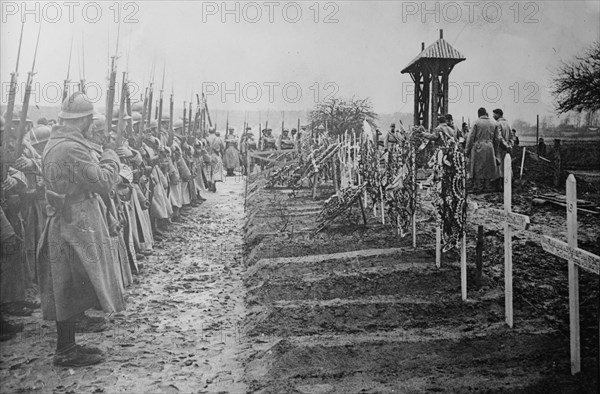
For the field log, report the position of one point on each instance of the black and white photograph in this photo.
(309, 197)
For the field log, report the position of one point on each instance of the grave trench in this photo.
(379, 322)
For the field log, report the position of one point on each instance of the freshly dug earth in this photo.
(355, 308)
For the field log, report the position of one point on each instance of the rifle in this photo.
(23, 121)
(110, 100)
(150, 94)
(198, 118)
(160, 101)
(121, 112)
(128, 108)
(207, 113)
(67, 79)
(227, 125)
(184, 117)
(82, 71)
(9, 112)
(144, 111)
(171, 132)
(191, 131)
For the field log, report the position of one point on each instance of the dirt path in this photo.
(182, 328)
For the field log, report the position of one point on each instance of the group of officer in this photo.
(485, 145)
(82, 208)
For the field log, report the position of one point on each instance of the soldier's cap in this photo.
(448, 117)
(248, 128)
(441, 119)
(286, 131)
(393, 125)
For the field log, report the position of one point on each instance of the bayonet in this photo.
(12, 94)
(23, 120)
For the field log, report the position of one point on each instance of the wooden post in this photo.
(416, 191)
(508, 282)
(463, 266)
(463, 250)
(522, 163)
(414, 230)
(315, 181)
(438, 247)
(573, 275)
(362, 210)
(382, 202)
(479, 256)
(334, 170)
(537, 133)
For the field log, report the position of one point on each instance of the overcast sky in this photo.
(511, 49)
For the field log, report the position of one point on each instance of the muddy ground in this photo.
(181, 331)
(356, 308)
(255, 301)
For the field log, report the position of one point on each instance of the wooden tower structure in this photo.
(430, 72)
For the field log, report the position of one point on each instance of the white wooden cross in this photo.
(510, 219)
(576, 258)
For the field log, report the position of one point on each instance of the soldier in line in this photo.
(216, 149)
(72, 281)
(231, 158)
(393, 137)
(268, 141)
(285, 141)
(247, 144)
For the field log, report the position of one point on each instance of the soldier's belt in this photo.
(58, 204)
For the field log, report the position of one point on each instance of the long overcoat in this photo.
(480, 149)
(75, 251)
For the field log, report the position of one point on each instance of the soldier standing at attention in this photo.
(75, 268)
(504, 143)
(480, 150)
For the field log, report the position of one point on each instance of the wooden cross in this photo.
(576, 258)
(509, 219)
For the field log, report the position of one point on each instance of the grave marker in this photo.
(576, 258)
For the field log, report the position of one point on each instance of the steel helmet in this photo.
(153, 124)
(78, 105)
(178, 124)
(116, 113)
(137, 107)
(136, 117)
(40, 134)
(99, 122)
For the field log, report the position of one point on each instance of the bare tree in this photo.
(577, 83)
(340, 115)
